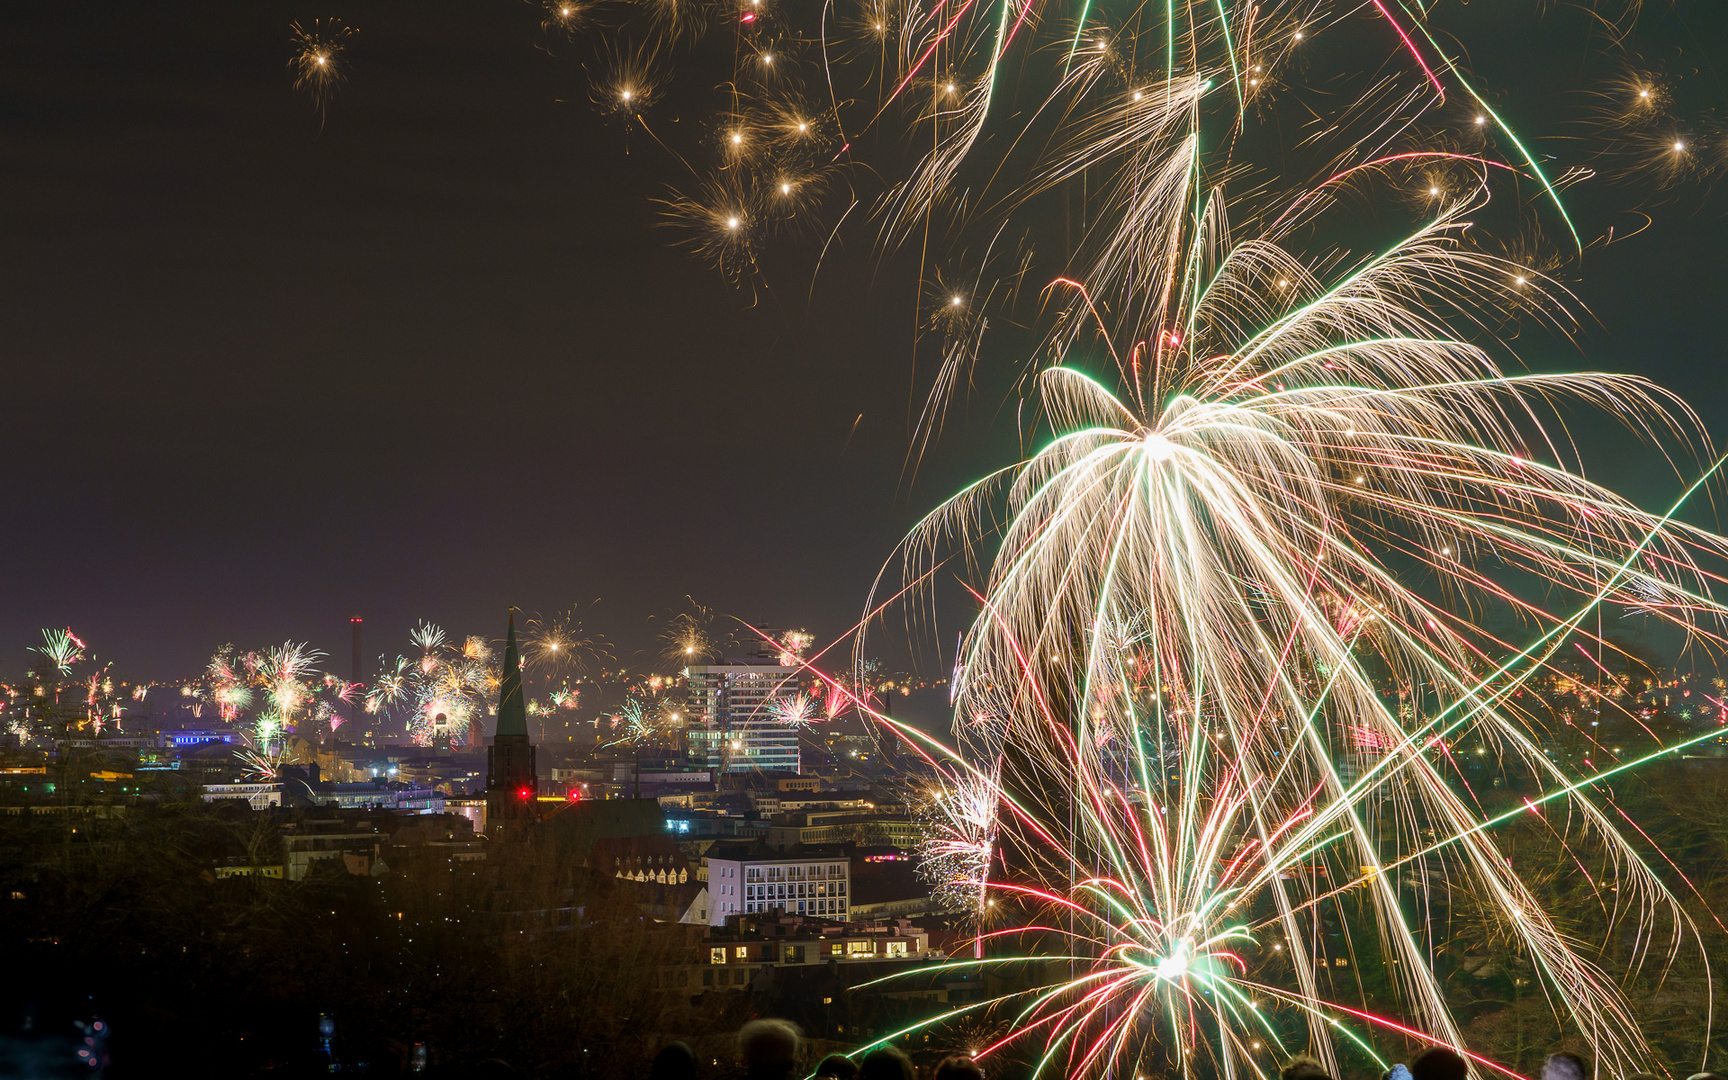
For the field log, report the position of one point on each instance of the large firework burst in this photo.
(1252, 527)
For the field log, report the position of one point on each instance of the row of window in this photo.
(830, 871)
(739, 978)
(824, 906)
(795, 954)
(794, 890)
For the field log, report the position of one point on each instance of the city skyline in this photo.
(1170, 541)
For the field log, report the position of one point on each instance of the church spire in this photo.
(512, 786)
(512, 712)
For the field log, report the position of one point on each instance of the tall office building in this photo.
(732, 727)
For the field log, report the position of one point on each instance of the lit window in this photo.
(717, 956)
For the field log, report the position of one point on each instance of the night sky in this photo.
(437, 358)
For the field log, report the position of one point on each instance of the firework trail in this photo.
(835, 701)
(263, 752)
(262, 763)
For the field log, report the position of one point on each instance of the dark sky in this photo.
(436, 358)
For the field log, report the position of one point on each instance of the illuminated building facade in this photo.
(815, 883)
(732, 723)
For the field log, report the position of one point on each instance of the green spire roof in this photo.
(512, 713)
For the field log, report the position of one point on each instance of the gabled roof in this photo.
(579, 825)
(649, 853)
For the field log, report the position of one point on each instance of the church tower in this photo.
(512, 789)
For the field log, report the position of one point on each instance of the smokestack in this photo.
(356, 660)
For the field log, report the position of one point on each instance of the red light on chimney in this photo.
(523, 793)
(575, 796)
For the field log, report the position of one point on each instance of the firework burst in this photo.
(61, 648)
(1277, 493)
(794, 710)
(636, 723)
(443, 693)
(317, 62)
(961, 820)
(1277, 502)
(693, 636)
(560, 647)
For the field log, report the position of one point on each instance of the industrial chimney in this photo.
(356, 667)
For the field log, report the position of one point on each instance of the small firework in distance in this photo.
(317, 61)
(796, 711)
(62, 649)
(563, 16)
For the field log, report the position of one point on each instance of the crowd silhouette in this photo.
(774, 1050)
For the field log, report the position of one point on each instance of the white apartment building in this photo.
(260, 796)
(732, 723)
(812, 883)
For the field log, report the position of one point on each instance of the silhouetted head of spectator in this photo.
(1565, 1067)
(886, 1063)
(1705, 1076)
(1302, 1067)
(958, 1067)
(1439, 1063)
(768, 1049)
(838, 1067)
(676, 1062)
